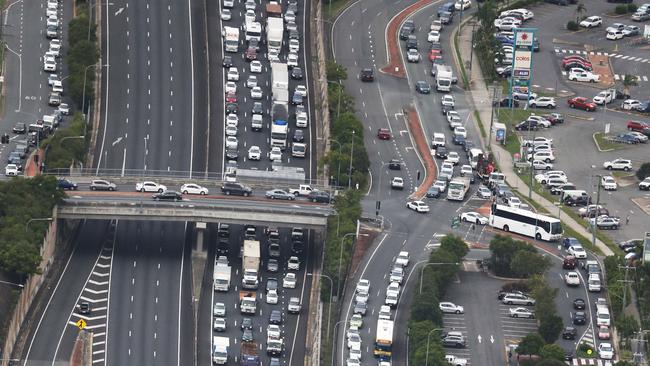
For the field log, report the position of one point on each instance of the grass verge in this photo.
(480, 124)
(332, 8)
(460, 63)
(604, 145)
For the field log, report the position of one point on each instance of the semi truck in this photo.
(457, 189)
(248, 355)
(251, 264)
(384, 339)
(220, 347)
(221, 277)
(274, 33)
(280, 82)
(444, 76)
(231, 35)
(247, 302)
(279, 126)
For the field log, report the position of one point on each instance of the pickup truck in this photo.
(302, 190)
(455, 361)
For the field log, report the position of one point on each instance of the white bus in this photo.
(525, 222)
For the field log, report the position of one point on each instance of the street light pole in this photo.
(426, 361)
(338, 277)
(338, 171)
(49, 219)
(334, 340)
(13, 284)
(351, 154)
(83, 94)
(594, 227)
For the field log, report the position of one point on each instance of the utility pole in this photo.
(494, 97)
(626, 283)
(351, 154)
(594, 227)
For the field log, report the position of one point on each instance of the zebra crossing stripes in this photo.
(589, 361)
(612, 55)
(618, 76)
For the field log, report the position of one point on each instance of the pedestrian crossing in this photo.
(618, 76)
(589, 361)
(594, 53)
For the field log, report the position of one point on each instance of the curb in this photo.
(415, 129)
(597, 145)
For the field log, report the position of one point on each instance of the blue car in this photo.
(625, 138)
(503, 39)
(570, 241)
(297, 98)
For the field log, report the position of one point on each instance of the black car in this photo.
(441, 152)
(411, 42)
(446, 17)
(458, 140)
(296, 73)
(246, 323)
(433, 192)
(579, 304)
(167, 196)
(526, 126)
(254, 44)
(422, 87)
(320, 197)
(275, 317)
(360, 308)
(394, 164)
(469, 145)
(232, 154)
(298, 136)
(237, 189)
(247, 336)
(579, 318)
(436, 46)
(446, 7)
(232, 108)
(569, 333)
(66, 184)
(446, 108)
(505, 102)
(227, 61)
(223, 246)
(84, 307)
(271, 284)
(367, 74)
(19, 128)
(293, 34)
(297, 247)
(258, 108)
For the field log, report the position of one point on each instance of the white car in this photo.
(150, 187)
(448, 100)
(233, 74)
(274, 55)
(451, 308)
(302, 120)
(554, 174)
(301, 89)
(396, 274)
(525, 13)
(254, 153)
(352, 362)
(219, 324)
(631, 104)
(256, 93)
(275, 154)
(433, 36)
(546, 156)
(460, 131)
(362, 297)
(453, 157)
(402, 259)
(355, 354)
(586, 76)
(289, 280)
(354, 341)
(462, 4)
(412, 55)
(592, 21)
(219, 309)
(514, 202)
(542, 102)
(615, 27)
(506, 24)
(521, 313)
(417, 206)
(618, 164)
(64, 109)
(541, 165)
(231, 142)
(256, 66)
(191, 188)
(292, 60)
(231, 131)
(52, 78)
(232, 120)
(273, 331)
(363, 286)
(466, 170)
(474, 217)
(384, 312)
(294, 45)
(272, 297)
(606, 351)
(293, 263)
(228, 4)
(55, 46)
(356, 321)
(231, 87)
(614, 35)
(52, 22)
(577, 251)
(11, 170)
(51, 12)
(226, 14)
(250, 4)
(251, 82)
(572, 278)
(397, 183)
(453, 361)
(641, 137)
(609, 183)
(441, 185)
(49, 64)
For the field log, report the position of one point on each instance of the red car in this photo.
(575, 57)
(231, 98)
(251, 54)
(383, 134)
(582, 103)
(603, 333)
(638, 126)
(434, 54)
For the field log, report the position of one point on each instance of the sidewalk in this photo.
(480, 99)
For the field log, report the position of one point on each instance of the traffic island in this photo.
(422, 146)
(602, 67)
(395, 65)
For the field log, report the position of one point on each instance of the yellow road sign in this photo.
(81, 324)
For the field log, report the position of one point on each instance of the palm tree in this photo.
(581, 8)
(628, 82)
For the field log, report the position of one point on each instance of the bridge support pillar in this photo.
(200, 230)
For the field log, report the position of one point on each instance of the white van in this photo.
(602, 316)
(593, 283)
(473, 156)
(496, 178)
(438, 140)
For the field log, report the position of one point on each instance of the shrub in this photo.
(572, 26)
(631, 8)
(644, 171)
(620, 9)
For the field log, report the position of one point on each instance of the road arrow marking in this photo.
(479, 338)
(402, 132)
(117, 141)
(120, 10)
(491, 338)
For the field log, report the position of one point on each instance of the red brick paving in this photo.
(32, 168)
(422, 145)
(604, 70)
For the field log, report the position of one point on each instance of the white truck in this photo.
(221, 277)
(455, 361)
(279, 125)
(231, 39)
(302, 190)
(444, 76)
(280, 82)
(298, 150)
(253, 30)
(274, 33)
(457, 189)
(251, 264)
(220, 346)
(247, 302)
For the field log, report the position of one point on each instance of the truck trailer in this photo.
(231, 39)
(274, 33)
(251, 264)
(220, 346)
(221, 277)
(444, 76)
(247, 302)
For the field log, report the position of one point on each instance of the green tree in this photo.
(531, 344)
(454, 244)
(525, 264)
(626, 325)
(644, 171)
(628, 82)
(552, 352)
(426, 308)
(550, 327)
(335, 72)
(502, 250)
(580, 9)
(624, 363)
